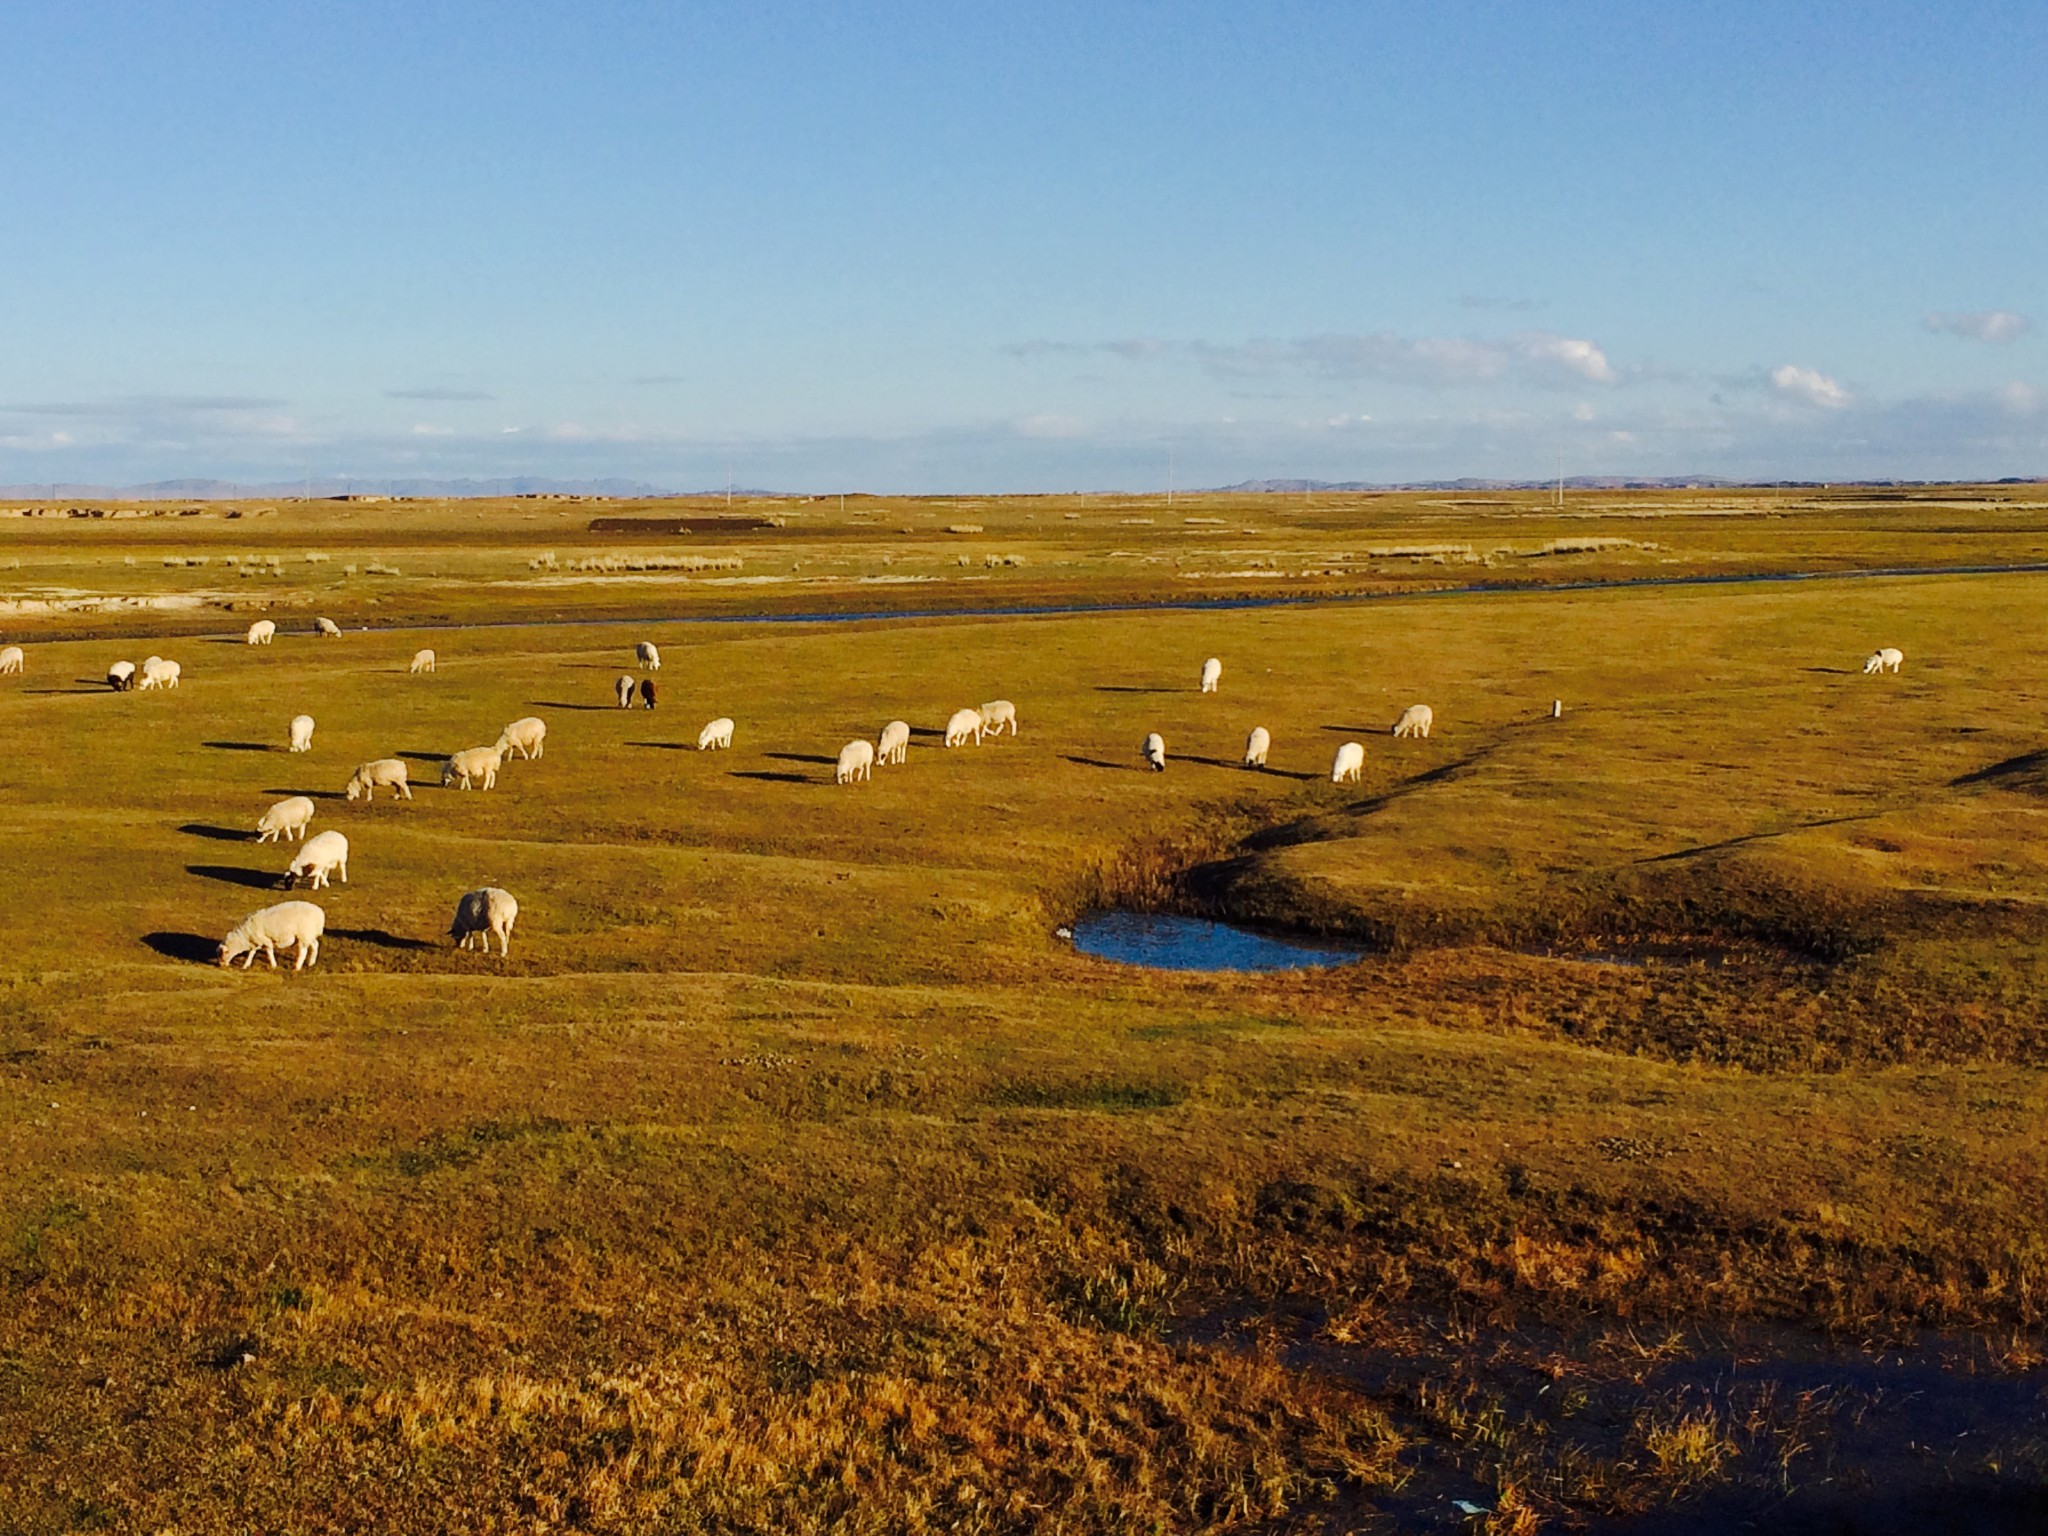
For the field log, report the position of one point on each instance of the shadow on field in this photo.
(194, 947)
(928, 730)
(230, 874)
(1096, 762)
(1236, 765)
(772, 778)
(424, 757)
(310, 794)
(217, 834)
(379, 938)
(1755, 837)
(2025, 765)
(1834, 671)
(1136, 688)
(557, 704)
(237, 746)
(46, 692)
(802, 757)
(664, 746)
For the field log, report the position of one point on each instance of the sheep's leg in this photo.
(344, 872)
(270, 954)
(403, 790)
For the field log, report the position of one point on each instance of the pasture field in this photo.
(1685, 1118)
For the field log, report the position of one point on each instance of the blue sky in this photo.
(1041, 247)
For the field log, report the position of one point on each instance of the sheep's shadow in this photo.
(1354, 730)
(802, 757)
(1237, 765)
(68, 692)
(217, 834)
(928, 730)
(424, 757)
(2020, 767)
(193, 948)
(664, 746)
(772, 778)
(231, 874)
(1834, 671)
(1096, 762)
(238, 746)
(558, 704)
(380, 938)
(311, 794)
(1138, 688)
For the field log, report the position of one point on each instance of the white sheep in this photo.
(1415, 720)
(526, 737)
(716, 736)
(480, 914)
(623, 688)
(383, 773)
(262, 632)
(1212, 674)
(1557, 709)
(121, 676)
(895, 743)
(964, 726)
(274, 928)
(327, 628)
(10, 660)
(471, 763)
(156, 672)
(283, 819)
(1349, 765)
(1154, 752)
(1886, 660)
(856, 761)
(422, 661)
(1256, 746)
(648, 657)
(996, 715)
(302, 733)
(319, 857)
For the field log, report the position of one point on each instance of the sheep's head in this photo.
(355, 787)
(233, 947)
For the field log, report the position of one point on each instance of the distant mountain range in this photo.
(1581, 483)
(229, 490)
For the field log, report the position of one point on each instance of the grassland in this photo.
(791, 1174)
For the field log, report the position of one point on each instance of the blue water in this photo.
(1170, 943)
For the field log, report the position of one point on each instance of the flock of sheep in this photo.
(490, 912)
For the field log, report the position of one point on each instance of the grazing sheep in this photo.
(319, 857)
(1154, 752)
(480, 914)
(1212, 674)
(471, 763)
(10, 660)
(156, 672)
(302, 733)
(996, 715)
(965, 724)
(1350, 764)
(526, 737)
(1415, 720)
(274, 928)
(283, 819)
(624, 689)
(647, 655)
(647, 691)
(262, 632)
(895, 743)
(1256, 746)
(856, 761)
(422, 661)
(121, 676)
(716, 736)
(383, 773)
(327, 628)
(1886, 660)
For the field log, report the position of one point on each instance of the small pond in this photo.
(1170, 943)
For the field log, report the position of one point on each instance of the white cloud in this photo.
(1980, 325)
(423, 429)
(1429, 361)
(1809, 386)
(1571, 353)
(1051, 425)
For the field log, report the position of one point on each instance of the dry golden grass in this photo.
(790, 1174)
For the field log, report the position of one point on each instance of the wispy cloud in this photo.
(130, 406)
(1490, 301)
(1979, 325)
(432, 393)
(1432, 361)
(1809, 386)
